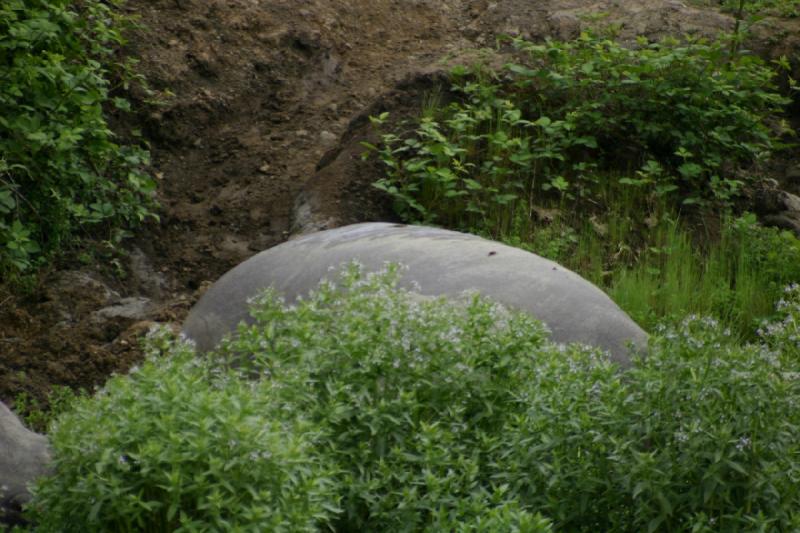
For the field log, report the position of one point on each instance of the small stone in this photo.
(791, 202)
(327, 137)
(264, 169)
(301, 133)
(131, 308)
(143, 272)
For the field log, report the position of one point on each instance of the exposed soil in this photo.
(263, 89)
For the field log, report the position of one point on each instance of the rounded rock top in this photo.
(438, 263)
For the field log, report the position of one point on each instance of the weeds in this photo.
(371, 410)
(756, 9)
(588, 152)
(181, 445)
(738, 279)
(37, 416)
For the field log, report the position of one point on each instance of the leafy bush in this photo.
(181, 445)
(411, 395)
(61, 171)
(442, 416)
(587, 152)
(427, 403)
(679, 121)
(695, 438)
(489, 515)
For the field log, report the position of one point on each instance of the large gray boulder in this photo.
(441, 262)
(24, 456)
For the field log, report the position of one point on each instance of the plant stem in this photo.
(736, 32)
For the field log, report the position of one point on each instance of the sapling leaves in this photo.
(57, 152)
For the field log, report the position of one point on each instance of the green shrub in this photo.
(702, 436)
(411, 395)
(439, 416)
(426, 404)
(62, 172)
(483, 514)
(587, 151)
(678, 121)
(181, 445)
(783, 333)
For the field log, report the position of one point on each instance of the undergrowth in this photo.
(735, 273)
(63, 173)
(738, 277)
(362, 408)
(757, 9)
(686, 122)
(613, 161)
(39, 415)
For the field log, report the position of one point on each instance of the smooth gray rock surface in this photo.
(24, 456)
(442, 263)
(134, 308)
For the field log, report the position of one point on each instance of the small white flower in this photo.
(744, 442)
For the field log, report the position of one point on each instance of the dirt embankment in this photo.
(262, 90)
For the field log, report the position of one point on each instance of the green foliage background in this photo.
(628, 164)
(676, 122)
(62, 172)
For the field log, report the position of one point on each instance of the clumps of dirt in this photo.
(341, 191)
(75, 330)
(261, 91)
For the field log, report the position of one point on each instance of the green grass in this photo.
(757, 8)
(729, 280)
(665, 272)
